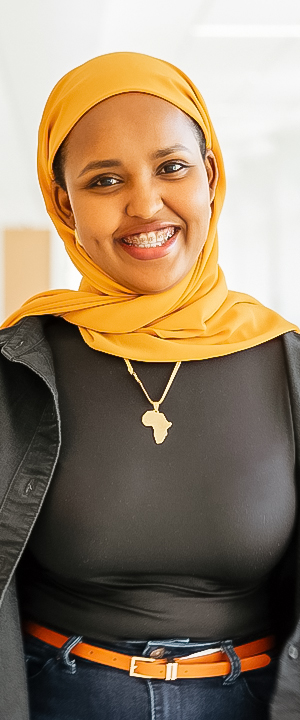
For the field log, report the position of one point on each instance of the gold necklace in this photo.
(154, 418)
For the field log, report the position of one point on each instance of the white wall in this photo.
(252, 90)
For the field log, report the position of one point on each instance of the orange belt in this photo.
(252, 656)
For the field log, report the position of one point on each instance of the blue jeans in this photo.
(62, 687)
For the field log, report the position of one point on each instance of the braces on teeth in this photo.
(151, 239)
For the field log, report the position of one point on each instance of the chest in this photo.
(216, 498)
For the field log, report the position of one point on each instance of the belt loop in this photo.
(63, 654)
(227, 647)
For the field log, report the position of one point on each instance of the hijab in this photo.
(197, 318)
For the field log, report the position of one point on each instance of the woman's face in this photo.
(138, 190)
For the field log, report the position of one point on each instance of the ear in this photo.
(212, 172)
(63, 205)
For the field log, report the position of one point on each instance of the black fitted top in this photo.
(138, 540)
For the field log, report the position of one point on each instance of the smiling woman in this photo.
(150, 202)
(179, 546)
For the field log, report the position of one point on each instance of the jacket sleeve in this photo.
(13, 694)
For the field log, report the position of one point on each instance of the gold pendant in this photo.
(159, 423)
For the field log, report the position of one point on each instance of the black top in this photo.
(138, 540)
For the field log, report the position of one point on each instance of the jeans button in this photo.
(158, 653)
(293, 652)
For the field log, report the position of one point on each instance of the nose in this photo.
(144, 200)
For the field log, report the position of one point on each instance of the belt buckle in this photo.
(132, 670)
(171, 668)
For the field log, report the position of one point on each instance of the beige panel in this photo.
(26, 265)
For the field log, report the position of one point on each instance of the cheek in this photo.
(193, 203)
(197, 214)
(199, 200)
(198, 220)
(96, 219)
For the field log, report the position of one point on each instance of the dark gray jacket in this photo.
(30, 443)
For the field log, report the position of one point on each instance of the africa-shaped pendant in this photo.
(158, 421)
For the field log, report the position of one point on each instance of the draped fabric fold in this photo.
(199, 317)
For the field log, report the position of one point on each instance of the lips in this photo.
(150, 245)
(150, 239)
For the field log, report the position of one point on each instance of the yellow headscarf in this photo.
(198, 318)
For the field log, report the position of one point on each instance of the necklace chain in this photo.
(158, 403)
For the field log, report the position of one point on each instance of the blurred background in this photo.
(244, 57)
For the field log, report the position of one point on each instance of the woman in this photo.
(162, 525)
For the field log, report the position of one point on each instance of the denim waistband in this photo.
(171, 646)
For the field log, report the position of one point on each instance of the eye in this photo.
(104, 181)
(172, 167)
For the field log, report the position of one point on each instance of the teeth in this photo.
(151, 239)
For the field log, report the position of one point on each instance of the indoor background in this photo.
(245, 58)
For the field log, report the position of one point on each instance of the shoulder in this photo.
(25, 345)
(29, 330)
(291, 344)
(291, 341)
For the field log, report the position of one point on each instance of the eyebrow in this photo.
(99, 164)
(169, 151)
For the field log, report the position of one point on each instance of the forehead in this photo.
(135, 118)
